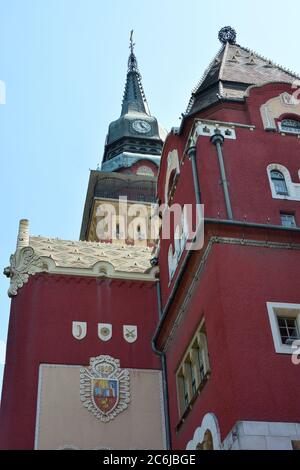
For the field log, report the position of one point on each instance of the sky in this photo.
(64, 64)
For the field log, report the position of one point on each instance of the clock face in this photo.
(141, 126)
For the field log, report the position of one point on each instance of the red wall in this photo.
(40, 331)
(249, 380)
(246, 160)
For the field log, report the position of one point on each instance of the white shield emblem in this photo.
(79, 329)
(104, 331)
(104, 387)
(130, 333)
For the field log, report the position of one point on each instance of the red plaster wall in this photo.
(246, 160)
(40, 331)
(249, 380)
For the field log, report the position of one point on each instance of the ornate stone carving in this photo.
(104, 388)
(22, 264)
(277, 106)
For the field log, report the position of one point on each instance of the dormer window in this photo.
(290, 125)
(279, 183)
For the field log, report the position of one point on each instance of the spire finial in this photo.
(132, 62)
(227, 34)
(134, 96)
(132, 44)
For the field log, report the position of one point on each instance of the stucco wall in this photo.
(62, 421)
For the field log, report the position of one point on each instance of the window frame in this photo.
(289, 130)
(188, 369)
(275, 311)
(293, 188)
(288, 214)
(281, 179)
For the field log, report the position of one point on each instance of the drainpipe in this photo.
(162, 355)
(217, 139)
(191, 152)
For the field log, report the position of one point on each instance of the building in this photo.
(200, 343)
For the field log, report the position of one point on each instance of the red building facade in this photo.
(207, 339)
(235, 388)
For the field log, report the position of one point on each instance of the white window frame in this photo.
(278, 309)
(291, 216)
(293, 188)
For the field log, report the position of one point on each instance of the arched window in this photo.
(290, 125)
(145, 171)
(172, 182)
(279, 183)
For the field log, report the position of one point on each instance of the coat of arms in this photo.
(104, 387)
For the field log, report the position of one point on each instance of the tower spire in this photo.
(134, 98)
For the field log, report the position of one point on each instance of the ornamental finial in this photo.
(132, 44)
(132, 62)
(227, 34)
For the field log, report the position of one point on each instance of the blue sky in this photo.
(64, 64)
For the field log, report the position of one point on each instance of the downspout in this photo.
(191, 152)
(162, 355)
(217, 139)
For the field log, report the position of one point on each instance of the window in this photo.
(288, 220)
(279, 183)
(193, 371)
(290, 125)
(285, 325)
(145, 171)
(139, 234)
(172, 181)
(118, 231)
(289, 330)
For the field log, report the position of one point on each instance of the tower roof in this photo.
(136, 131)
(233, 70)
(134, 98)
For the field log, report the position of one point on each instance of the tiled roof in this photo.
(230, 74)
(78, 254)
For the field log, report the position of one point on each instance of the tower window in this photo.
(118, 231)
(290, 125)
(279, 183)
(288, 220)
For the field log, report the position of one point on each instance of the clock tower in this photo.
(129, 167)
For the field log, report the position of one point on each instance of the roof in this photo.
(230, 74)
(134, 98)
(67, 257)
(79, 254)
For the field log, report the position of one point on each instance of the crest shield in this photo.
(79, 329)
(104, 387)
(104, 331)
(105, 393)
(130, 333)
